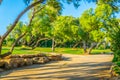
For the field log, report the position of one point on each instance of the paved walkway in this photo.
(75, 67)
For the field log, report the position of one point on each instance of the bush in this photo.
(115, 59)
(116, 56)
(117, 52)
(116, 69)
(118, 63)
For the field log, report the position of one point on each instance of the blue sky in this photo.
(9, 9)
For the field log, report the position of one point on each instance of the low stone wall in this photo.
(14, 61)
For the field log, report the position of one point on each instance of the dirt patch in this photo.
(74, 67)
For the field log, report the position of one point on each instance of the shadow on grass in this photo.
(25, 49)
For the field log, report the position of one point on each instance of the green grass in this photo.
(27, 50)
(96, 51)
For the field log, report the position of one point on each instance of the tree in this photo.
(112, 3)
(41, 25)
(92, 30)
(14, 24)
(98, 19)
(66, 29)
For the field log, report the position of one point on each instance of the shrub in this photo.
(116, 56)
(117, 52)
(116, 69)
(118, 63)
(115, 59)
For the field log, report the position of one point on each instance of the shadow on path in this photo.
(69, 69)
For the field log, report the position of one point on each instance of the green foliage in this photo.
(89, 21)
(115, 58)
(115, 41)
(66, 28)
(118, 63)
(117, 52)
(41, 25)
(97, 35)
(91, 25)
(9, 43)
(116, 69)
(103, 11)
(47, 23)
(17, 31)
(101, 47)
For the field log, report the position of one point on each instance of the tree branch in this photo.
(12, 48)
(19, 16)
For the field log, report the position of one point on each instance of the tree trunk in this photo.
(53, 45)
(30, 43)
(105, 45)
(85, 47)
(93, 45)
(56, 44)
(76, 45)
(98, 44)
(33, 44)
(0, 45)
(36, 44)
(5, 54)
(12, 48)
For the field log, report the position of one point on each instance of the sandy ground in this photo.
(74, 67)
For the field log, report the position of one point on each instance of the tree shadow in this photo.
(77, 71)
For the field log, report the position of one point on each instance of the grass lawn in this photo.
(27, 50)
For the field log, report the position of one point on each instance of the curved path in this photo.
(74, 67)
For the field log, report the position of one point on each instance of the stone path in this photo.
(74, 67)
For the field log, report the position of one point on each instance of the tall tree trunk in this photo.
(12, 48)
(85, 47)
(53, 44)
